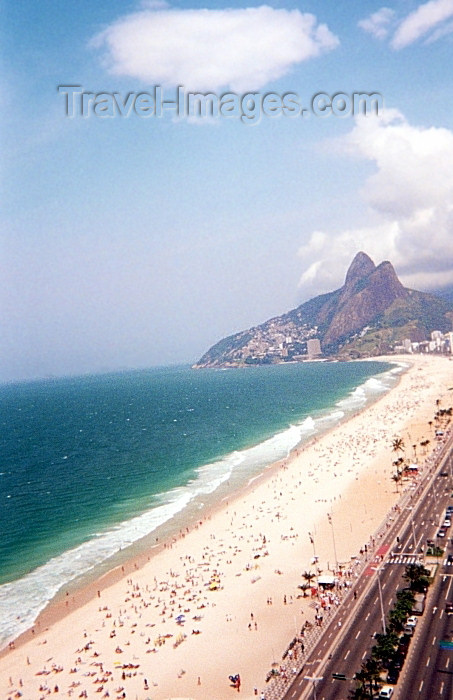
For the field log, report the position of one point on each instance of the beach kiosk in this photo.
(326, 582)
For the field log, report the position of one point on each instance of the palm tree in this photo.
(397, 478)
(373, 670)
(308, 576)
(398, 445)
(304, 588)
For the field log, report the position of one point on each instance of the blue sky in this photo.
(132, 242)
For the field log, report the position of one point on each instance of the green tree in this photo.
(417, 576)
(405, 600)
(397, 619)
(385, 648)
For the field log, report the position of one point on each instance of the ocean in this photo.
(92, 465)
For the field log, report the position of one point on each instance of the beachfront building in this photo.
(439, 343)
(313, 347)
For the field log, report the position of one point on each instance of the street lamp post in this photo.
(378, 571)
(313, 543)
(329, 517)
(314, 680)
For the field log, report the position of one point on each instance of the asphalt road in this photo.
(428, 672)
(344, 646)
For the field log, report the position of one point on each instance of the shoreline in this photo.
(201, 506)
(254, 502)
(84, 588)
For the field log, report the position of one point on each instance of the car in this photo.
(441, 533)
(398, 662)
(450, 559)
(449, 607)
(403, 646)
(393, 675)
(443, 474)
(386, 692)
(447, 522)
(412, 621)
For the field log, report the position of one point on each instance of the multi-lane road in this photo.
(428, 671)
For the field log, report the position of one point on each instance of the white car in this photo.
(412, 621)
(447, 522)
(386, 691)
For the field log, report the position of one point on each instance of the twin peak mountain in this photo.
(367, 316)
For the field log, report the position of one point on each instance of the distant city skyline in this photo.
(136, 242)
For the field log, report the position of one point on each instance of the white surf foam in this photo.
(21, 601)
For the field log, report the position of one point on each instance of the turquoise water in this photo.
(90, 465)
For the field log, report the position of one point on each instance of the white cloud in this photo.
(242, 49)
(378, 23)
(410, 199)
(420, 22)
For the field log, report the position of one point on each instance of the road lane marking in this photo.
(347, 654)
(357, 634)
(420, 687)
(434, 641)
(449, 586)
(367, 617)
(427, 663)
(448, 663)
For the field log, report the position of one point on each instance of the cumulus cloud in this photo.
(422, 21)
(240, 49)
(430, 21)
(410, 199)
(378, 23)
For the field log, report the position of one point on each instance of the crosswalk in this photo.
(412, 559)
(404, 559)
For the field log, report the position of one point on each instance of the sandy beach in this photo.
(223, 598)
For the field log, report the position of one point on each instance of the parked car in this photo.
(447, 522)
(403, 646)
(412, 621)
(386, 692)
(450, 559)
(441, 532)
(393, 675)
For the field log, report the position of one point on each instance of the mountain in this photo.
(368, 315)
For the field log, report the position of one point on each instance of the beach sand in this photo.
(234, 575)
